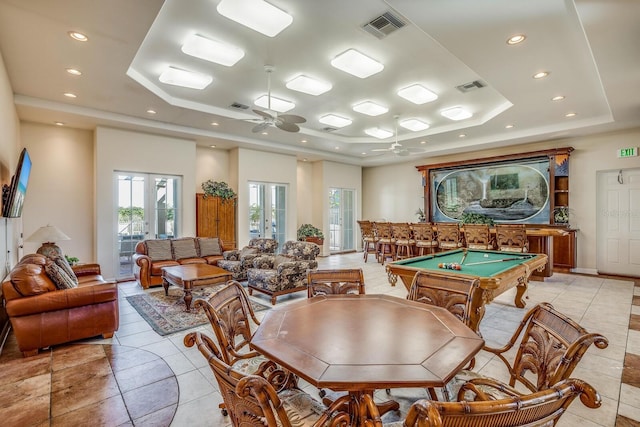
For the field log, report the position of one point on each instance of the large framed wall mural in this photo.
(509, 189)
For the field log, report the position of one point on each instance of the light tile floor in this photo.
(610, 306)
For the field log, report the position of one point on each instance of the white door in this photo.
(268, 211)
(341, 220)
(618, 222)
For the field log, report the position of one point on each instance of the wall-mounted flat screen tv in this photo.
(13, 195)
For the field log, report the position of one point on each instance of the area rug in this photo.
(166, 313)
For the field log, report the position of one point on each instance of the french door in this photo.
(147, 209)
(268, 211)
(341, 220)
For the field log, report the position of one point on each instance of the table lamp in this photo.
(47, 235)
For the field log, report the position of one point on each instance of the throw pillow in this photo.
(248, 251)
(184, 248)
(209, 246)
(64, 264)
(159, 250)
(58, 276)
(280, 258)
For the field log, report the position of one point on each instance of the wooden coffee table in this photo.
(191, 275)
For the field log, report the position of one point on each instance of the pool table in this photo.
(497, 271)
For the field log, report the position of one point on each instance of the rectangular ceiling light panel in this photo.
(309, 85)
(370, 108)
(378, 133)
(212, 50)
(357, 64)
(417, 94)
(258, 15)
(414, 125)
(456, 113)
(277, 104)
(335, 121)
(189, 79)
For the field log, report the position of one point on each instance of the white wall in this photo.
(211, 163)
(121, 150)
(10, 228)
(384, 196)
(61, 187)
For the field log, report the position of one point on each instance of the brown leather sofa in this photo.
(151, 255)
(42, 315)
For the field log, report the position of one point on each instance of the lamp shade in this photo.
(48, 233)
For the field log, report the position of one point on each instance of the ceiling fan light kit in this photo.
(258, 15)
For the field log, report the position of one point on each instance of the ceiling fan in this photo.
(286, 122)
(397, 148)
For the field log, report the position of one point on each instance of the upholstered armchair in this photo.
(237, 261)
(284, 273)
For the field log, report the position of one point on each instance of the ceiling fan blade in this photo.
(289, 127)
(381, 149)
(292, 118)
(415, 150)
(260, 127)
(263, 114)
(402, 153)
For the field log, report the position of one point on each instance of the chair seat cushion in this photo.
(302, 409)
(453, 387)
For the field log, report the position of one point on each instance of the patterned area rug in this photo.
(167, 315)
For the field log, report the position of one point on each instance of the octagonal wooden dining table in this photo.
(360, 343)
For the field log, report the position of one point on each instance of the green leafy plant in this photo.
(308, 230)
(71, 259)
(561, 215)
(475, 218)
(220, 189)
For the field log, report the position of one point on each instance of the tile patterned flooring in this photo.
(134, 378)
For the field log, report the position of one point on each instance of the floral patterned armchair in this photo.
(283, 273)
(237, 261)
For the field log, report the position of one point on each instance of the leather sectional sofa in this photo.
(42, 315)
(151, 255)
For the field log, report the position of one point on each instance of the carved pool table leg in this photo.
(521, 289)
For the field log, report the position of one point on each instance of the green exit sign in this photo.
(628, 152)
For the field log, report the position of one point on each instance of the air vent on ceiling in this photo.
(384, 24)
(239, 106)
(468, 87)
(329, 129)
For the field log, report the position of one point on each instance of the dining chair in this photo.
(332, 282)
(369, 238)
(251, 400)
(478, 236)
(540, 409)
(551, 347)
(404, 240)
(232, 319)
(448, 235)
(385, 246)
(424, 236)
(512, 238)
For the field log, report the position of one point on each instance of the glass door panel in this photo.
(268, 211)
(341, 219)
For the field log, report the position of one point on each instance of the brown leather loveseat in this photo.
(42, 315)
(152, 255)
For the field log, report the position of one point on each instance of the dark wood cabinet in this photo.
(216, 217)
(564, 251)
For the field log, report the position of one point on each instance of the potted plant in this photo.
(71, 260)
(309, 233)
(421, 216)
(561, 215)
(220, 189)
(476, 218)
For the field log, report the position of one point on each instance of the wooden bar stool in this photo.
(385, 246)
(369, 239)
(424, 237)
(403, 240)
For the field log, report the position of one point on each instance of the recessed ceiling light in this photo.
(456, 113)
(337, 148)
(363, 153)
(557, 98)
(508, 126)
(370, 108)
(212, 50)
(378, 133)
(74, 71)
(189, 79)
(308, 85)
(212, 146)
(70, 95)
(151, 111)
(277, 104)
(214, 124)
(541, 75)
(304, 141)
(335, 121)
(78, 36)
(58, 123)
(265, 133)
(356, 64)
(414, 125)
(417, 94)
(462, 135)
(304, 160)
(515, 39)
(423, 142)
(571, 114)
(258, 15)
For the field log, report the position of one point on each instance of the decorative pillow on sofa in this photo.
(279, 259)
(64, 264)
(248, 251)
(209, 246)
(159, 250)
(184, 248)
(58, 276)
(27, 279)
